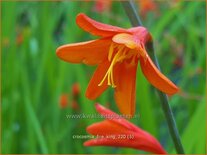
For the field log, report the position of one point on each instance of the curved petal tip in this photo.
(97, 28)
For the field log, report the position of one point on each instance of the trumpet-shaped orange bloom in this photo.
(117, 54)
(118, 132)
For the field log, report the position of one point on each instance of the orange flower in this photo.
(76, 89)
(117, 54)
(63, 101)
(118, 132)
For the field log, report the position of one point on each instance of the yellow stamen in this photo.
(122, 53)
(111, 50)
(133, 62)
(109, 73)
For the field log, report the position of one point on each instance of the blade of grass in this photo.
(45, 32)
(8, 11)
(30, 111)
(194, 138)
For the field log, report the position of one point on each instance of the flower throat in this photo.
(118, 53)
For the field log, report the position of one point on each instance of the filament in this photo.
(118, 53)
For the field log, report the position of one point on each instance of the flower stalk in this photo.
(136, 21)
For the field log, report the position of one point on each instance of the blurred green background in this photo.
(39, 90)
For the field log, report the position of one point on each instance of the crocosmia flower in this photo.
(118, 132)
(117, 54)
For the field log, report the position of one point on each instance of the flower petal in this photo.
(90, 52)
(126, 39)
(93, 90)
(106, 127)
(125, 80)
(97, 28)
(112, 116)
(138, 144)
(156, 78)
